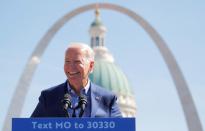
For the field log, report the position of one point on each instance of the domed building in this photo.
(106, 73)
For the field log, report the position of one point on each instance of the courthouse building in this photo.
(106, 73)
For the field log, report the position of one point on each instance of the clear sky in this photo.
(180, 23)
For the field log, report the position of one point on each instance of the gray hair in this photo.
(86, 48)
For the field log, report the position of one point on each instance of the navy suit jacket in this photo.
(103, 102)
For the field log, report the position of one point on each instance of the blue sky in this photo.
(180, 23)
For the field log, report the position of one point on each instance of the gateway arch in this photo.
(18, 99)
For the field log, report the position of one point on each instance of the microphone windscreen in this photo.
(67, 96)
(67, 101)
(83, 99)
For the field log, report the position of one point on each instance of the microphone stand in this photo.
(66, 104)
(66, 113)
(82, 104)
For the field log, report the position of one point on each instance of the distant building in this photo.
(106, 73)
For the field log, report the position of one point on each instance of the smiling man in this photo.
(78, 96)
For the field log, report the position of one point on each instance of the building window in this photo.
(97, 41)
(92, 42)
(102, 41)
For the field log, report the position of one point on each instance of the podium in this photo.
(73, 124)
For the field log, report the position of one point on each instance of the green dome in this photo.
(109, 76)
(97, 22)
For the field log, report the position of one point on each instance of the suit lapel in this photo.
(95, 100)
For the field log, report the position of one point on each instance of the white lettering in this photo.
(42, 125)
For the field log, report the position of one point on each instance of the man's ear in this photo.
(92, 66)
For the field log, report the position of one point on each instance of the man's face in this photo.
(77, 67)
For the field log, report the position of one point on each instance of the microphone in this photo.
(82, 104)
(66, 103)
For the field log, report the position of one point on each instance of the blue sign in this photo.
(73, 124)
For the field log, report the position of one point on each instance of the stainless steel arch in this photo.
(190, 112)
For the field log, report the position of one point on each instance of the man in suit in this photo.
(79, 63)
